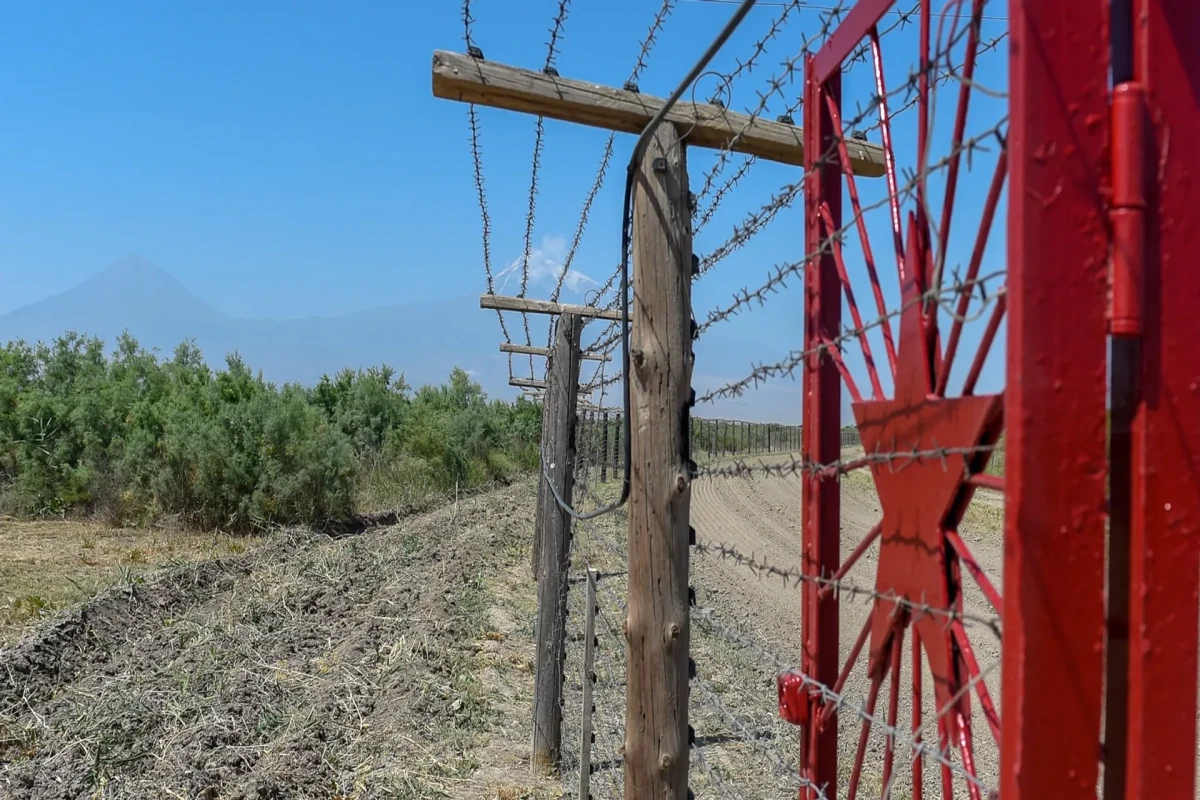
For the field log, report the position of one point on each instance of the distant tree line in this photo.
(134, 437)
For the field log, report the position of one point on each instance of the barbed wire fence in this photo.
(741, 747)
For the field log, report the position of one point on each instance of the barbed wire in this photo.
(714, 701)
(914, 743)
(782, 199)
(789, 111)
(787, 366)
(647, 45)
(775, 84)
(556, 30)
(477, 162)
(795, 578)
(721, 95)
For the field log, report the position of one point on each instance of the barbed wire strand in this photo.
(782, 199)
(790, 110)
(794, 577)
(787, 366)
(556, 31)
(647, 45)
(915, 744)
(477, 163)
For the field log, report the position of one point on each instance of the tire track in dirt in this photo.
(761, 517)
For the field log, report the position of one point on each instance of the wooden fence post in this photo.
(657, 626)
(562, 392)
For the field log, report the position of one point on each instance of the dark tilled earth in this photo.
(312, 667)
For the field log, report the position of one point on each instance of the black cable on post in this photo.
(626, 223)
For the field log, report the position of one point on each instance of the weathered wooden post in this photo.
(658, 631)
(562, 393)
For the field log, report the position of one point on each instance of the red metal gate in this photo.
(1025, 317)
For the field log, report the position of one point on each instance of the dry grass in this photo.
(395, 663)
(47, 566)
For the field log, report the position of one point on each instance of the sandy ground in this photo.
(760, 517)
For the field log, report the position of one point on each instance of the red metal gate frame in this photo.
(1057, 464)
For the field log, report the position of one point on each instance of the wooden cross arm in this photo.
(460, 77)
(527, 350)
(524, 304)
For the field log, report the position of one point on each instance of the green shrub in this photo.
(130, 436)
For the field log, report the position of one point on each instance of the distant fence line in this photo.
(601, 433)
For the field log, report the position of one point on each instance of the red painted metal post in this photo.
(1165, 526)
(821, 431)
(1055, 400)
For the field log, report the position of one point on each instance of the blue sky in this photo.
(286, 159)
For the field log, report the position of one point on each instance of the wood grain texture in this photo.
(460, 77)
(657, 625)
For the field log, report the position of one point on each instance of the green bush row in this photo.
(135, 437)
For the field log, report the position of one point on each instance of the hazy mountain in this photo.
(422, 340)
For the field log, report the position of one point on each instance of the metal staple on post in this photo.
(589, 679)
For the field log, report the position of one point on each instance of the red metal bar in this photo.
(923, 126)
(975, 675)
(821, 431)
(889, 155)
(985, 345)
(847, 668)
(834, 352)
(967, 747)
(864, 735)
(964, 297)
(993, 482)
(1165, 529)
(872, 372)
(981, 578)
(864, 16)
(861, 223)
(853, 558)
(893, 707)
(944, 746)
(960, 124)
(1055, 401)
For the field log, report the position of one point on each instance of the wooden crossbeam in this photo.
(525, 349)
(460, 77)
(545, 307)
